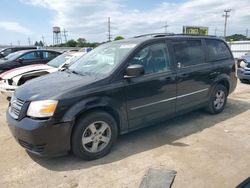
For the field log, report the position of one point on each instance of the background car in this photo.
(12, 79)
(27, 57)
(243, 71)
(6, 51)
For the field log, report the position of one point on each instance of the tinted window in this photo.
(217, 50)
(50, 55)
(30, 56)
(189, 52)
(7, 51)
(154, 58)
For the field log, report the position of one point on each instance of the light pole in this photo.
(226, 15)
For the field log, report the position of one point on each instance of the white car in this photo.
(12, 79)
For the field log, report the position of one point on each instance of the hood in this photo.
(21, 70)
(2, 62)
(52, 86)
(247, 58)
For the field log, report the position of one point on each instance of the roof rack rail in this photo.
(169, 34)
(154, 35)
(185, 34)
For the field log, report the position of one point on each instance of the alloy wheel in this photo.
(96, 136)
(219, 99)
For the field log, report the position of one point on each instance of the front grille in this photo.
(15, 107)
(31, 147)
(248, 65)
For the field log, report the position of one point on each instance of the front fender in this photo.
(98, 102)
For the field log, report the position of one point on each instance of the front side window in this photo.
(154, 58)
(30, 56)
(189, 52)
(217, 50)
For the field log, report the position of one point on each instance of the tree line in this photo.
(82, 42)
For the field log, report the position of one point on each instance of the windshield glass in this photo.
(13, 56)
(59, 60)
(103, 59)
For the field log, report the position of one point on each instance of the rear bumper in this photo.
(7, 90)
(41, 137)
(243, 74)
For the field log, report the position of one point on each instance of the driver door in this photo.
(152, 96)
(31, 58)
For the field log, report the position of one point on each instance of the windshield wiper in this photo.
(63, 68)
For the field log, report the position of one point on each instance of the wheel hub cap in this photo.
(96, 136)
(219, 99)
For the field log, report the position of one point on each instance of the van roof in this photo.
(151, 36)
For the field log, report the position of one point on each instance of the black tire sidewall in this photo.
(80, 127)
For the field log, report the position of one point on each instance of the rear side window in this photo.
(217, 50)
(50, 55)
(189, 52)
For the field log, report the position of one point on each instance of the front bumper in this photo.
(243, 73)
(7, 90)
(41, 137)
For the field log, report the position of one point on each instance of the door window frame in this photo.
(216, 59)
(188, 39)
(38, 55)
(169, 53)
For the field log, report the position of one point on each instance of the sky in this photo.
(22, 21)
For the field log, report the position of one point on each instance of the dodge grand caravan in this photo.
(119, 87)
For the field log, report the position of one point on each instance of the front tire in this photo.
(94, 135)
(218, 99)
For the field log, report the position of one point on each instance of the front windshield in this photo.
(59, 60)
(14, 56)
(103, 59)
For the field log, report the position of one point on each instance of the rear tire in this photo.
(94, 135)
(218, 99)
(245, 81)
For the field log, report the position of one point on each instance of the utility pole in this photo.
(247, 32)
(65, 35)
(226, 15)
(29, 41)
(18, 42)
(109, 33)
(43, 40)
(166, 27)
(215, 31)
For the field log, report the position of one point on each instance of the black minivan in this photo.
(119, 87)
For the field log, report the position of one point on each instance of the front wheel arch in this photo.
(82, 122)
(105, 109)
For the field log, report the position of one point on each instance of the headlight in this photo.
(41, 109)
(242, 64)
